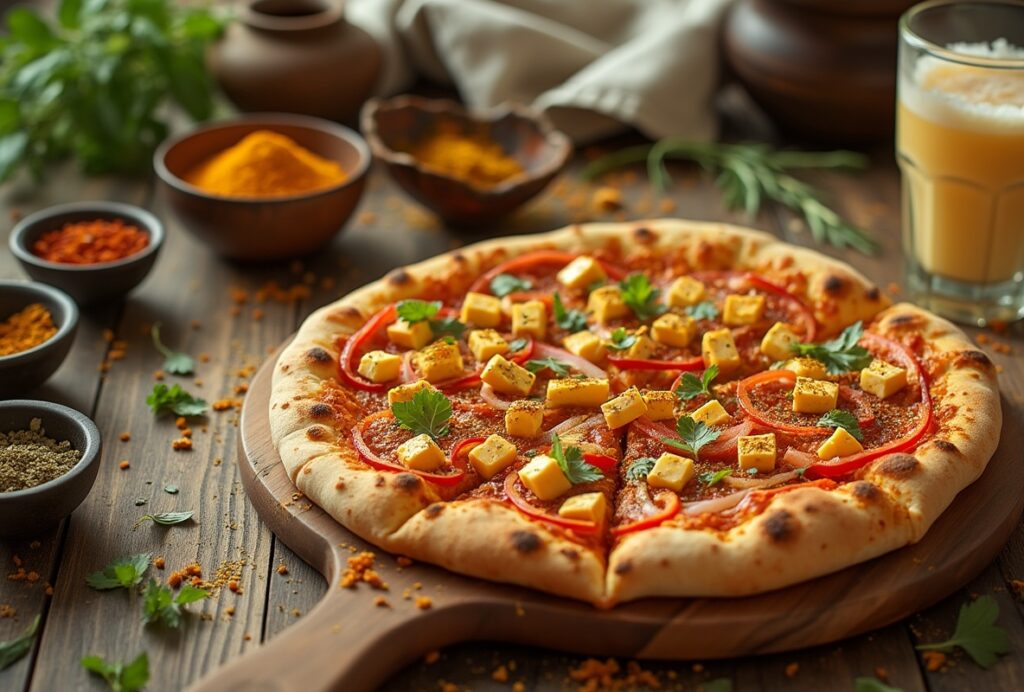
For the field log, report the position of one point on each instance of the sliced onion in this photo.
(794, 457)
(768, 482)
(581, 364)
(573, 422)
(407, 374)
(714, 505)
(488, 394)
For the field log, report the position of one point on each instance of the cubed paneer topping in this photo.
(544, 478)
(530, 319)
(719, 348)
(814, 396)
(492, 455)
(586, 507)
(671, 471)
(572, 391)
(405, 392)
(439, 361)
(624, 409)
(507, 377)
(882, 379)
(605, 304)
(807, 367)
(778, 341)
(415, 335)
(711, 413)
(524, 418)
(421, 453)
(742, 310)
(841, 444)
(756, 452)
(585, 345)
(380, 366)
(661, 404)
(481, 310)
(643, 347)
(484, 343)
(674, 330)
(581, 272)
(684, 292)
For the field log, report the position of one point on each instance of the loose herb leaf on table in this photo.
(120, 677)
(175, 362)
(14, 650)
(120, 574)
(426, 413)
(174, 399)
(976, 633)
(160, 604)
(166, 518)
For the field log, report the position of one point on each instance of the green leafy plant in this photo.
(553, 364)
(571, 320)
(427, 413)
(14, 650)
(691, 386)
(517, 345)
(837, 418)
(175, 362)
(123, 573)
(640, 468)
(166, 518)
(174, 399)
(160, 604)
(841, 354)
(976, 633)
(641, 296)
(120, 677)
(693, 435)
(503, 284)
(413, 311)
(710, 478)
(570, 460)
(704, 310)
(621, 340)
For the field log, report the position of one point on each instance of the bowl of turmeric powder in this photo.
(37, 327)
(264, 187)
(466, 167)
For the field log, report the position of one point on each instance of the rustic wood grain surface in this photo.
(233, 314)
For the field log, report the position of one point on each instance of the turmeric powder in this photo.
(26, 329)
(265, 164)
(473, 158)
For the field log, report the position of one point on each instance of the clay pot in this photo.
(296, 56)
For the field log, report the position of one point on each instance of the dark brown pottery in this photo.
(296, 56)
(393, 127)
(22, 372)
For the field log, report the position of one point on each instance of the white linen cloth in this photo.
(593, 66)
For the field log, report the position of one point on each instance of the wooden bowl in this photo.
(395, 126)
(263, 228)
(22, 372)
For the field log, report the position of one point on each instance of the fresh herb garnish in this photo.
(621, 340)
(641, 296)
(503, 284)
(175, 362)
(552, 364)
(841, 354)
(160, 604)
(448, 327)
(120, 677)
(413, 311)
(570, 320)
(174, 399)
(866, 684)
(838, 418)
(14, 650)
(691, 386)
(517, 345)
(639, 469)
(693, 435)
(710, 478)
(426, 413)
(704, 310)
(120, 574)
(976, 633)
(570, 460)
(166, 518)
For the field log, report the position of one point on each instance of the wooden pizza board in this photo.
(348, 643)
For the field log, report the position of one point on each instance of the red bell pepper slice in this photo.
(584, 528)
(535, 259)
(473, 378)
(787, 378)
(689, 364)
(604, 462)
(810, 324)
(347, 367)
(672, 507)
(373, 460)
(466, 446)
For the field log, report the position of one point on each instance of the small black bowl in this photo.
(88, 283)
(20, 372)
(33, 510)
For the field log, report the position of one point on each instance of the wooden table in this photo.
(218, 309)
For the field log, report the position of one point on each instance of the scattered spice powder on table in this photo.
(91, 242)
(26, 329)
(474, 158)
(29, 458)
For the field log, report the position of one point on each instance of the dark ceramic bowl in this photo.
(29, 512)
(395, 126)
(88, 283)
(21, 372)
(265, 228)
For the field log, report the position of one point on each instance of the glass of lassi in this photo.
(960, 147)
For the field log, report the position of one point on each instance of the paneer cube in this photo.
(643, 347)
(719, 348)
(807, 367)
(742, 310)
(544, 478)
(587, 507)
(674, 330)
(585, 392)
(671, 471)
(684, 292)
(506, 377)
(415, 335)
(484, 343)
(882, 379)
(756, 452)
(380, 366)
(405, 392)
(841, 444)
(492, 455)
(421, 453)
(624, 409)
(661, 404)
(585, 345)
(778, 341)
(481, 310)
(605, 304)
(530, 319)
(581, 272)
(439, 361)
(524, 418)
(711, 413)
(814, 396)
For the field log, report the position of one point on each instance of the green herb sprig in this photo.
(691, 386)
(837, 418)
(123, 573)
(175, 362)
(693, 436)
(174, 399)
(14, 650)
(160, 604)
(641, 296)
(166, 518)
(570, 320)
(640, 469)
(120, 677)
(710, 478)
(570, 460)
(556, 366)
(503, 284)
(427, 413)
(976, 633)
(622, 340)
(841, 354)
(704, 310)
(413, 311)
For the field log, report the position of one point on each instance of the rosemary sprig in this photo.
(748, 174)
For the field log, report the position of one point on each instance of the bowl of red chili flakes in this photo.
(93, 251)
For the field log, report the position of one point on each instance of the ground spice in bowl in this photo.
(91, 242)
(26, 329)
(29, 458)
(471, 158)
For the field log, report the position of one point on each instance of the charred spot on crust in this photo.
(904, 320)
(780, 526)
(433, 510)
(316, 432)
(525, 541)
(318, 355)
(976, 359)
(946, 446)
(320, 410)
(644, 235)
(865, 491)
(408, 482)
(459, 258)
(379, 482)
(571, 553)
(624, 567)
(873, 293)
(400, 277)
(898, 465)
(835, 285)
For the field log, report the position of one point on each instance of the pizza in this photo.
(614, 411)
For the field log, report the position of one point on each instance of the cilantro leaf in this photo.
(704, 310)
(14, 650)
(556, 366)
(120, 574)
(120, 677)
(866, 684)
(691, 386)
(837, 418)
(175, 362)
(174, 400)
(166, 518)
(710, 478)
(447, 326)
(159, 604)
(976, 633)
(503, 284)
(641, 296)
(639, 469)
(692, 436)
(427, 413)
(517, 345)
(570, 320)
(841, 354)
(413, 311)
(621, 340)
(570, 460)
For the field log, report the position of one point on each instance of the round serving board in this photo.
(349, 643)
